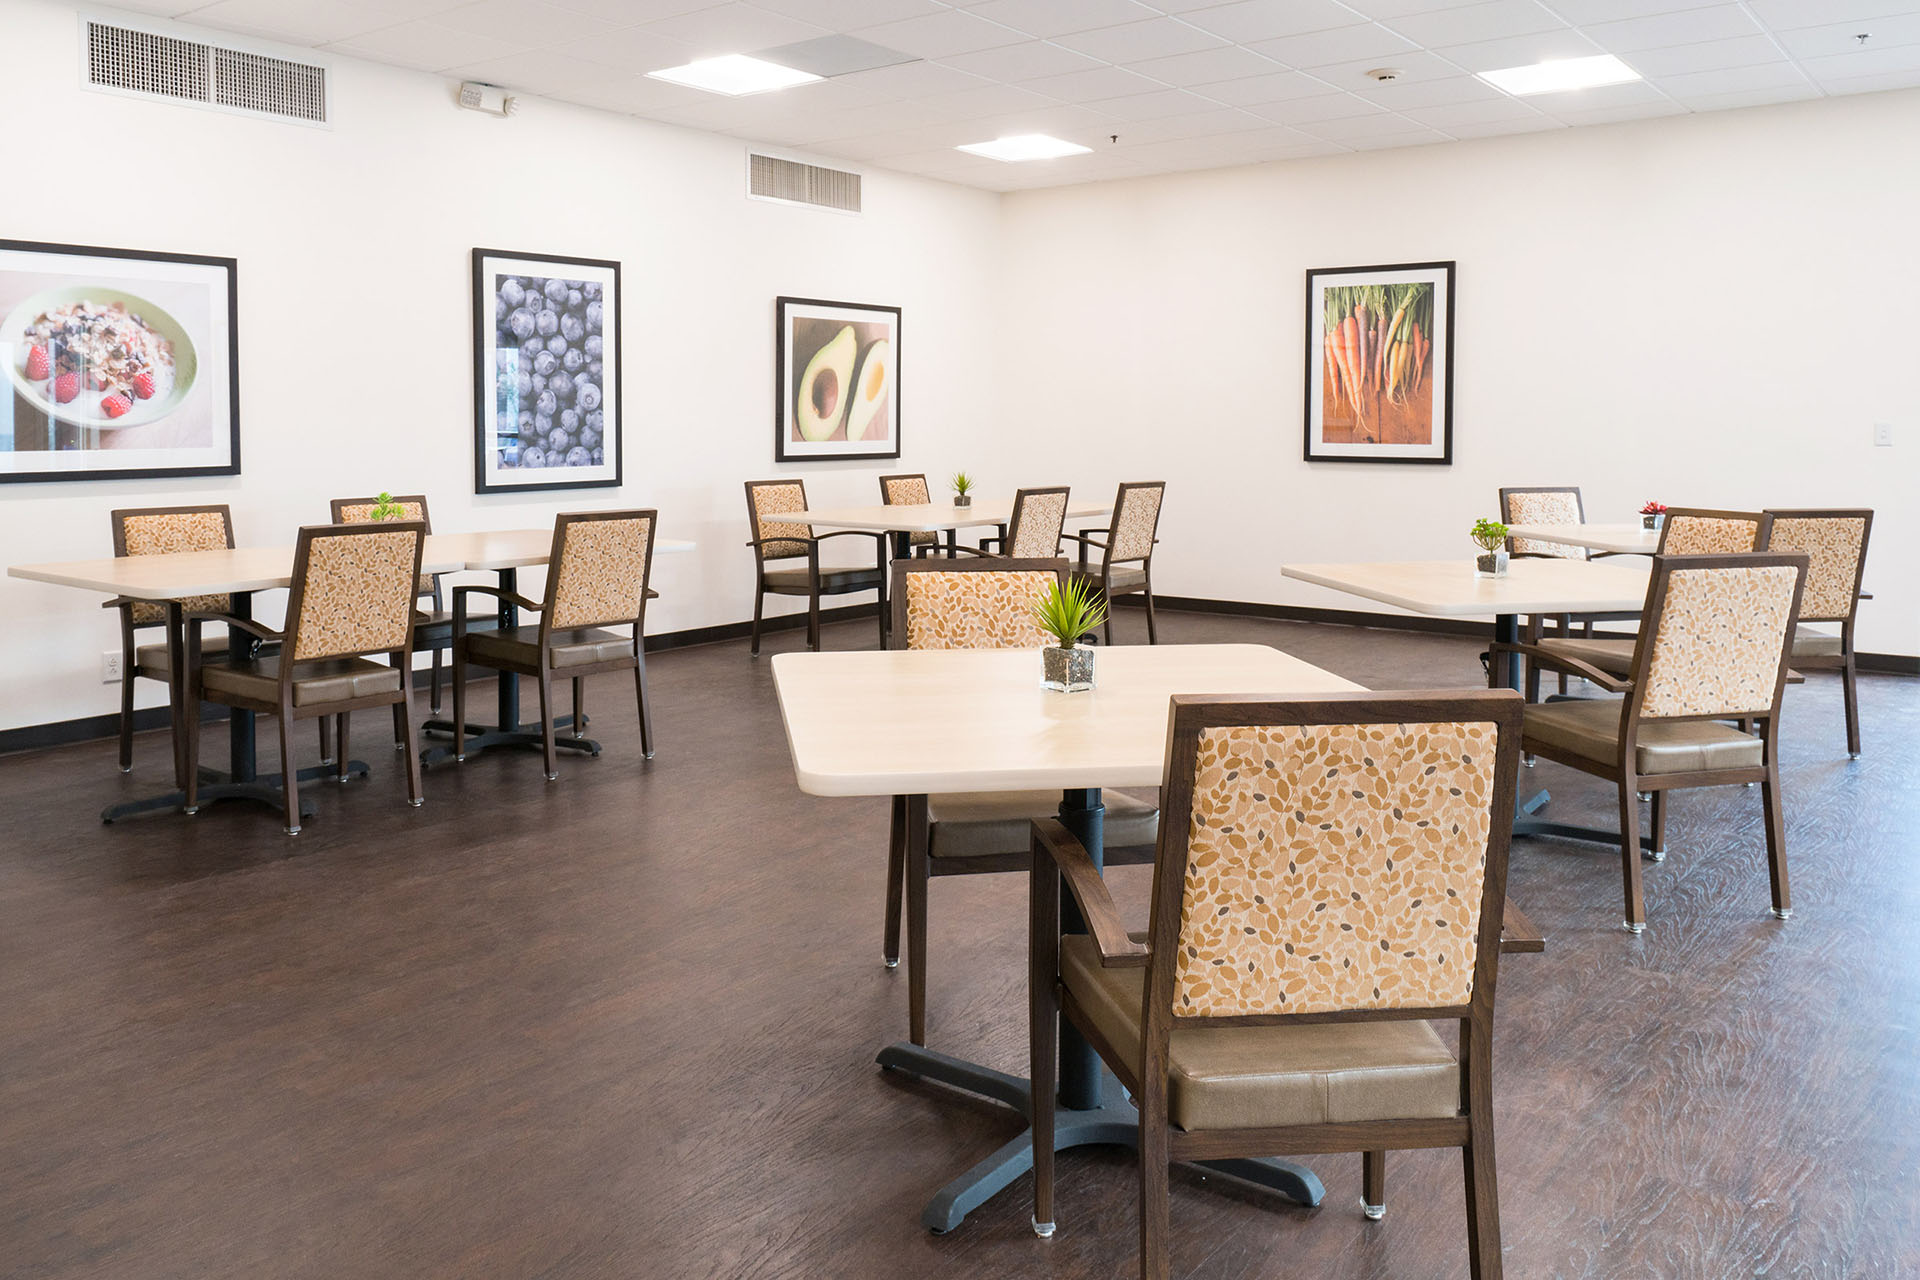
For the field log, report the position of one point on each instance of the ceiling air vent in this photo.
(151, 64)
(790, 182)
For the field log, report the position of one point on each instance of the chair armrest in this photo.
(1560, 662)
(1090, 894)
(763, 542)
(1519, 934)
(1087, 538)
(1866, 595)
(959, 548)
(851, 533)
(460, 595)
(248, 625)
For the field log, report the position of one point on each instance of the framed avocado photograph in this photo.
(836, 380)
(546, 375)
(1380, 363)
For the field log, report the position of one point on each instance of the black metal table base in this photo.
(1525, 824)
(216, 786)
(481, 737)
(1113, 1122)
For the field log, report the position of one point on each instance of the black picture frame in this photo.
(873, 324)
(586, 319)
(32, 410)
(1434, 370)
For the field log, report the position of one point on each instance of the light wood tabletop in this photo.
(1450, 588)
(1621, 539)
(927, 517)
(930, 722)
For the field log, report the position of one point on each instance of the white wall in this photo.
(1709, 310)
(355, 315)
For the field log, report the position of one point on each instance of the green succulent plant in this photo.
(385, 508)
(962, 483)
(1490, 534)
(1069, 612)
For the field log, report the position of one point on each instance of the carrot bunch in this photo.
(1377, 340)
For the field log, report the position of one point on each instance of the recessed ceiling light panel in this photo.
(1561, 75)
(1025, 146)
(734, 74)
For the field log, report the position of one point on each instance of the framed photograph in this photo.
(546, 377)
(1380, 363)
(120, 364)
(836, 380)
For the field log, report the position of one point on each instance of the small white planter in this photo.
(1490, 564)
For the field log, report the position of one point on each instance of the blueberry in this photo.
(589, 396)
(595, 346)
(575, 299)
(573, 361)
(533, 456)
(571, 328)
(591, 289)
(578, 457)
(599, 457)
(594, 315)
(500, 309)
(590, 437)
(597, 420)
(559, 441)
(548, 404)
(512, 292)
(594, 369)
(556, 290)
(539, 384)
(524, 384)
(542, 424)
(546, 324)
(569, 419)
(526, 422)
(563, 386)
(522, 323)
(531, 348)
(557, 344)
(544, 364)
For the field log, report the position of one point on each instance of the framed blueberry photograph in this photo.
(546, 393)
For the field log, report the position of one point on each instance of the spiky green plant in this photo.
(1490, 534)
(962, 483)
(385, 508)
(1069, 612)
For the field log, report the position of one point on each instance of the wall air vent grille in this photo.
(790, 182)
(148, 63)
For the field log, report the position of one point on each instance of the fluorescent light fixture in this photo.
(1561, 75)
(1025, 146)
(735, 74)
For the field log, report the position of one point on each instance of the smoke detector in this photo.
(490, 98)
(1384, 74)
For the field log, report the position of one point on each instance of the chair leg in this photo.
(646, 712)
(1850, 691)
(880, 612)
(1630, 853)
(1476, 1158)
(813, 622)
(579, 707)
(1156, 1207)
(1153, 636)
(340, 760)
(1043, 1070)
(546, 721)
(414, 795)
(1659, 849)
(433, 689)
(399, 719)
(190, 729)
(1106, 630)
(759, 602)
(126, 712)
(1776, 838)
(918, 832)
(1373, 1178)
(459, 703)
(326, 739)
(896, 880)
(290, 771)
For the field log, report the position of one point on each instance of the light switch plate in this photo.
(1883, 435)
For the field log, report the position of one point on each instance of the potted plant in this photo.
(962, 489)
(1492, 537)
(385, 508)
(1653, 515)
(1068, 613)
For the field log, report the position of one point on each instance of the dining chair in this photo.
(351, 598)
(597, 574)
(433, 626)
(1835, 543)
(912, 491)
(1126, 553)
(145, 531)
(975, 604)
(1714, 648)
(1331, 881)
(775, 540)
(1551, 504)
(1033, 531)
(1687, 531)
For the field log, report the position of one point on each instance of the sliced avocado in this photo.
(867, 420)
(822, 404)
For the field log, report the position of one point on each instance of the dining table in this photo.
(903, 520)
(1616, 539)
(915, 723)
(239, 572)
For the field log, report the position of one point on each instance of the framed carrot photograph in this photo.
(1380, 363)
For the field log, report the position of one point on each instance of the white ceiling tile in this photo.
(1713, 55)
(1200, 124)
(834, 15)
(1252, 20)
(1342, 44)
(1402, 95)
(1347, 128)
(1049, 18)
(1155, 106)
(987, 100)
(1208, 66)
(1407, 138)
(1881, 83)
(1691, 26)
(1614, 115)
(1867, 62)
(1412, 68)
(1327, 106)
(1751, 98)
(1633, 93)
(1787, 15)
(628, 13)
(1500, 128)
(734, 28)
(1843, 37)
(1139, 41)
(633, 49)
(1093, 85)
(513, 19)
(1582, 12)
(1016, 62)
(424, 46)
(941, 35)
(914, 80)
(1771, 75)
(1387, 10)
(1519, 51)
(1277, 87)
(1490, 20)
(301, 22)
(1465, 113)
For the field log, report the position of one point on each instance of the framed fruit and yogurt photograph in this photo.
(1380, 363)
(120, 364)
(836, 380)
(546, 393)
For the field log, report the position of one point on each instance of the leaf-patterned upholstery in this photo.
(975, 609)
(1135, 522)
(768, 499)
(169, 532)
(410, 508)
(909, 491)
(356, 594)
(1544, 506)
(1038, 520)
(602, 572)
(1717, 649)
(1832, 545)
(1690, 535)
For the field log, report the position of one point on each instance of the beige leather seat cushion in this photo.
(151, 659)
(580, 647)
(1615, 657)
(1126, 577)
(843, 578)
(993, 822)
(1260, 1077)
(1815, 644)
(1591, 730)
(327, 680)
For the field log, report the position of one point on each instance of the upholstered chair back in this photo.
(984, 604)
(1696, 532)
(766, 499)
(412, 507)
(599, 568)
(909, 491)
(1136, 520)
(1039, 517)
(151, 531)
(353, 589)
(1542, 506)
(1835, 544)
(1715, 640)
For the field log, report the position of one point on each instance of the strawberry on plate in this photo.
(66, 387)
(39, 366)
(115, 405)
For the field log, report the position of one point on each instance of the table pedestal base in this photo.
(216, 786)
(1113, 1122)
(480, 737)
(1525, 824)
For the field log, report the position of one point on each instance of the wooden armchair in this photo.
(775, 540)
(912, 491)
(351, 598)
(1714, 647)
(1126, 554)
(1033, 531)
(1331, 880)
(1835, 543)
(975, 604)
(596, 578)
(1550, 504)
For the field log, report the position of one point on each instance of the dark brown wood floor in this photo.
(623, 1025)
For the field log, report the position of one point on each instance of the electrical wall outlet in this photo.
(1883, 435)
(110, 672)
